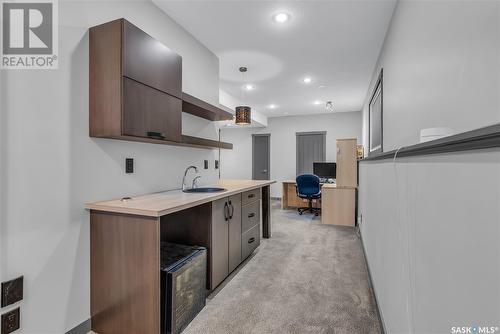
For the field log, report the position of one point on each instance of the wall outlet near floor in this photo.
(11, 321)
(12, 291)
(129, 165)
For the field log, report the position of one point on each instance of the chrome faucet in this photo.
(184, 178)
(195, 182)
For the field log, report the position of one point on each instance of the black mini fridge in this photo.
(183, 285)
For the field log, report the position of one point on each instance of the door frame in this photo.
(297, 134)
(268, 152)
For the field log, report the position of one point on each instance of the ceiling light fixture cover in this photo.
(281, 17)
(243, 115)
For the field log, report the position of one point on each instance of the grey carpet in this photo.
(308, 278)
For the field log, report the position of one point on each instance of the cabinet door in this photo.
(147, 110)
(234, 232)
(347, 163)
(250, 216)
(339, 206)
(220, 246)
(250, 241)
(149, 61)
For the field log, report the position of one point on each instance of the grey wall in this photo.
(441, 63)
(237, 163)
(430, 225)
(50, 167)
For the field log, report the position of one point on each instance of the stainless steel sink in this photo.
(204, 190)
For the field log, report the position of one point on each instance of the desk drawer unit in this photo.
(250, 216)
(251, 196)
(250, 240)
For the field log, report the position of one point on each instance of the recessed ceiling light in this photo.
(272, 106)
(281, 17)
(249, 87)
(307, 80)
(317, 102)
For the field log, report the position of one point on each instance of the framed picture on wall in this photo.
(375, 117)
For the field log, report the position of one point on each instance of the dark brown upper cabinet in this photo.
(135, 89)
(148, 61)
(135, 85)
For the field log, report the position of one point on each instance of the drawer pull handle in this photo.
(231, 211)
(226, 211)
(251, 240)
(251, 196)
(250, 215)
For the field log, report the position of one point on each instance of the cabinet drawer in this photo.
(250, 216)
(250, 240)
(149, 61)
(251, 196)
(148, 110)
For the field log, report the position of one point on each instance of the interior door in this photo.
(220, 236)
(261, 157)
(234, 231)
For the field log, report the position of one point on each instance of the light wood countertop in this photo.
(163, 203)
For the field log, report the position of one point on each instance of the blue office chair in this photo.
(308, 188)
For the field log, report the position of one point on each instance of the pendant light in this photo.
(243, 113)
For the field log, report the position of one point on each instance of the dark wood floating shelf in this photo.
(187, 141)
(202, 142)
(197, 107)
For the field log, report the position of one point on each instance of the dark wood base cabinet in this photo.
(125, 255)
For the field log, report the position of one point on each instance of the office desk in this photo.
(289, 198)
(338, 203)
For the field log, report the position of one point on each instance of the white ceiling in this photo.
(336, 43)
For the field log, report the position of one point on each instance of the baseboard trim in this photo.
(82, 328)
(372, 287)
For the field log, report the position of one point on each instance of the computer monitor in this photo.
(325, 170)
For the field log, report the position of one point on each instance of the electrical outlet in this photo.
(205, 164)
(11, 321)
(129, 165)
(216, 164)
(12, 291)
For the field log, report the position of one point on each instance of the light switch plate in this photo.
(12, 291)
